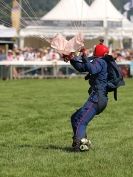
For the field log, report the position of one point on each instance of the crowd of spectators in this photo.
(122, 54)
(48, 54)
(30, 54)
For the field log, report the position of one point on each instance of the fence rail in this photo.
(44, 69)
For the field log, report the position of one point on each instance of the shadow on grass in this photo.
(45, 147)
(60, 148)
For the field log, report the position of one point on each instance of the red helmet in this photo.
(101, 50)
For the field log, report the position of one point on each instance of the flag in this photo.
(127, 9)
(128, 5)
(16, 15)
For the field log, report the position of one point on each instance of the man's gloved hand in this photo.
(84, 52)
(68, 57)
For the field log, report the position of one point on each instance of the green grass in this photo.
(35, 131)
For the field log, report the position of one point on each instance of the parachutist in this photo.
(100, 67)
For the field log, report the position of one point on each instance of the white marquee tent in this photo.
(63, 18)
(115, 25)
(69, 16)
(6, 32)
(105, 10)
(68, 10)
(109, 14)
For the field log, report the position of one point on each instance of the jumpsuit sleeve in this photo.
(85, 65)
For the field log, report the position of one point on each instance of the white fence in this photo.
(23, 69)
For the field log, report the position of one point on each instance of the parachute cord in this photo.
(28, 4)
(45, 37)
(6, 23)
(82, 17)
(34, 14)
(25, 12)
(75, 23)
(8, 8)
(22, 22)
(32, 11)
(41, 38)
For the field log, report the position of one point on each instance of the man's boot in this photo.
(81, 145)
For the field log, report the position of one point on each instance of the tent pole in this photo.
(106, 25)
(106, 31)
(121, 39)
(132, 42)
(106, 35)
(21, 43)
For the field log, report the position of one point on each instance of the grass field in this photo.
(35, 131)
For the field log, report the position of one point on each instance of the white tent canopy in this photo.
(99, 19)
(108, 12)
(69, 10)
(104, 9)
(6, 32)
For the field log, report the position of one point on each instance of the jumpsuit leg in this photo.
(82, 117)
(73, 121)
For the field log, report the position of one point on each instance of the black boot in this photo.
(81, 145)
(76, 146)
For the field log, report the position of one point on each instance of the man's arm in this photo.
(78, 64)
(83, 64)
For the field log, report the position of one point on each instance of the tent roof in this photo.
(68, 10)
(104, 9)
(127, 24)
(100, 10)
(2, 27)
(6, 32)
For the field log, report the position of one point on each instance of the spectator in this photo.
(48, 54)
(2, 55)
(10, 55)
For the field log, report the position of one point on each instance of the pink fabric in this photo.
(64, 46)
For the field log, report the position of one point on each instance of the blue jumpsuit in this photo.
(97, 101)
